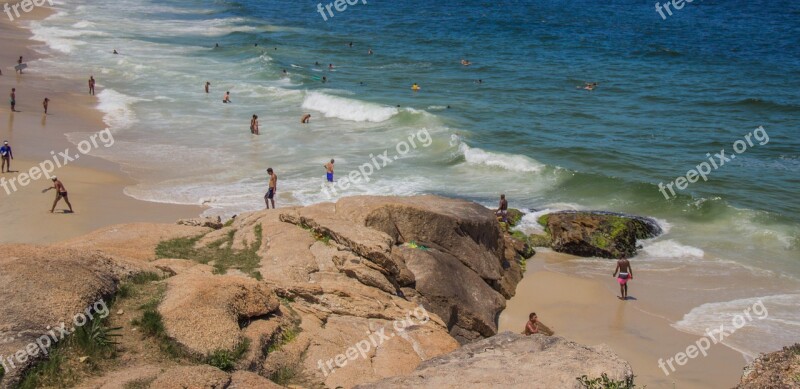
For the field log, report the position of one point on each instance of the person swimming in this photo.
(227, 98)
(415, 87)
(465, 62)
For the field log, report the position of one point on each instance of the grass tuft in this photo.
(604, 382)
(226, 360)
(219, 253)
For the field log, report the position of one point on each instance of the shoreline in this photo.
(638, 330)
(95, 185)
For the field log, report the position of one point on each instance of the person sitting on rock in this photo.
(502, 209)
(532, 326)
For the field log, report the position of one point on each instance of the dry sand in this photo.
(587, 310)
(95, 186)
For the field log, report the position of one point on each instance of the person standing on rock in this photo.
(502, 209)
(625, 272)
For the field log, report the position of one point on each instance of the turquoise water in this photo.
(670, 91)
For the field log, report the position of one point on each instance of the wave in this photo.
(511, 162)
(348, 109)
(671, 249)
(117, 108)
(765, 323)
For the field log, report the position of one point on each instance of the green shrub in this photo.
(604, 382)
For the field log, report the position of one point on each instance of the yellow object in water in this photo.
(415, 87)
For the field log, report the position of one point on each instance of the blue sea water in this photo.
(670, 91)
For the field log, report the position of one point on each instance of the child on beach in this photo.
(532, 326)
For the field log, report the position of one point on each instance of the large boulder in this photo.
(780, 369)
(510, 360)
(597, 234)
(202, 312)
(43, 287)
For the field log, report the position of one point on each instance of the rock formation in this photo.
(511, 361)
(597, 234)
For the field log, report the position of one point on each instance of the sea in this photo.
(672, 93)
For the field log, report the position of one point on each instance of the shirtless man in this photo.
(227, 98)
(91, 85)
(13, 99)
(329, 170)
(532, 326)
(45, 103)
(254, 125)
(19, 62)
(502, 209)
(273, 187)
(208, 84)
(305, 118)
(61, 192)
(625, 274)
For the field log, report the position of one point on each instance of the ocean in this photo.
(671, 94)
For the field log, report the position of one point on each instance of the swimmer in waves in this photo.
(415, 87)
(465, 62)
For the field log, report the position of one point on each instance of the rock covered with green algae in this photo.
(596, 233)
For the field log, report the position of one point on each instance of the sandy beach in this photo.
(587, 311)
(95, 186)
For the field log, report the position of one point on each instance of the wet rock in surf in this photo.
(597, 234)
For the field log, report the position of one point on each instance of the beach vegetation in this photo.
(145, 277)
(67, 360)
(226, 359)
(285, 337)
(219, 253)
(605, 382)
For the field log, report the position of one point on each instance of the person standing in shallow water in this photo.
(91, 85)
(625, 272)
(254, 125)
(273, 188)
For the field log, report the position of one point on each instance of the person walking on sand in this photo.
(91, 85)
(532, 326)
(45, 103)
(61, 193)
(208, 84)
(305, 118)
(6, 155)
(254, 125)
(329, 170)
(502, 209)
(625, 272)
(273, 187)
(13, 99)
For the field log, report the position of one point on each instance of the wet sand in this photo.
(587, 310)
(95, 186)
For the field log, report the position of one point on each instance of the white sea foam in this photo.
(516, 163)
(762, 333)
(347, 109)
(117, 108)
(670, 249)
